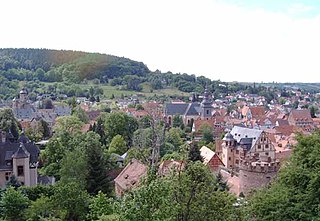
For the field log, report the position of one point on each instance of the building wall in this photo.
(26, 170)
(33, 177)
(3, 180)
(249, 180)
(188, 118)
(118, 190)
(263, 148)
(228, 156)
(215, 163)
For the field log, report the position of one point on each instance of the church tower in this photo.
(23, 95)
(206, 106)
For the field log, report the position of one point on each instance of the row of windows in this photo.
(20, 173)
(265, 146)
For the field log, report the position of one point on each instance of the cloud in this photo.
(299, 8)
(218, 40)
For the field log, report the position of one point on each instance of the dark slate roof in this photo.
(192, 109)
(8, 155)
(176, 109)
(24, 113)
(62, 110)
(23, 138)
(46, 180)
(228, 137)
(247, 142)
(7, 149)
(21, 152)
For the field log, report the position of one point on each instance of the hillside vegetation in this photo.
(65, 72)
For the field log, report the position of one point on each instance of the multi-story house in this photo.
(241, 143)
(301, 118)
(18, 158)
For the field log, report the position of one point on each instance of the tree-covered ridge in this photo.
(54, 65)
(74, 67)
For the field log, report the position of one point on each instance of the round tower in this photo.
(253, 175)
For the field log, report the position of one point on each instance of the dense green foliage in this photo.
(73, 66)
(65, 68)
(9, 123)
(295, 194)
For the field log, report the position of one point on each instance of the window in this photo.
(237, 151)
(229, 158)
(267, 154)
(266, 146)
(237, 161)
(20, 171)
(231, 150)
(259, 146)
(207, 111)
(8, 175)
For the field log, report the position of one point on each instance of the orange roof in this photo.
(287, 130)
(130, 176)
(301, 115)
(257, 111)
(199, 122)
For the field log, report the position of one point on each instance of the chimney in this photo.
(3, 136)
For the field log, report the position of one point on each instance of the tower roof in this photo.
(228, 137)
(23, 91)
(206, 102)
(21, 152)
(23, 138)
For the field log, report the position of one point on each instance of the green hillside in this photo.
(73, 73)
(57, 66)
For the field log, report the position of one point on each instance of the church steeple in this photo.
(206, 105)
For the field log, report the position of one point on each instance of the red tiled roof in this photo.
(287, 130)
(301, 115)
(257, 111)
(199, 122)
(130, 176)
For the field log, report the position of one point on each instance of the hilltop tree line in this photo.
(45, 65)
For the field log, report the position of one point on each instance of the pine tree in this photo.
(194, 153)
(221, 184)
(98, 166)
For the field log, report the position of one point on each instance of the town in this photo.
(109, 146)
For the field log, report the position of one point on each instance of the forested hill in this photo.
(56, 66)
(70, 68)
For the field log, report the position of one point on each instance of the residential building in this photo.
(211, 159)
(130, 177)
(19, 159)
(301, 118)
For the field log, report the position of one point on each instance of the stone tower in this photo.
(228, 151)
(206, 106)
(21, 165)
(23, 95)
(256, 174)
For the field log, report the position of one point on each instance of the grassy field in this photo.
(117, 92)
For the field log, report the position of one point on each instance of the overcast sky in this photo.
(230, 40)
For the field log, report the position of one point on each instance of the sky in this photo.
(230, 40)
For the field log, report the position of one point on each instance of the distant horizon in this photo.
(230, 40)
